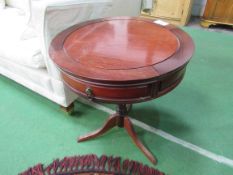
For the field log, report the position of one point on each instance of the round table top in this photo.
(121, 49)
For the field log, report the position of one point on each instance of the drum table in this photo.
(121, 61)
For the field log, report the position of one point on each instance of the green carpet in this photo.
(199, 111)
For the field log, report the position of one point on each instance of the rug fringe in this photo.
(92, 164)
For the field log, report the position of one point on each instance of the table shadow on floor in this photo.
(159, 118)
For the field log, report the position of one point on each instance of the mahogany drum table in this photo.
(121, 61)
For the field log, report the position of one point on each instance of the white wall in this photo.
(198, 7)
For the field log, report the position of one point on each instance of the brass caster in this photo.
(69, 109)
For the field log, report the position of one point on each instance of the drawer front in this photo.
(124, 93)
(109, 94)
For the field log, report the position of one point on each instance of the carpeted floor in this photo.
(199, 111)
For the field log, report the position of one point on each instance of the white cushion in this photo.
(12, 47)
(20, 4)
(25, 52)
(23, 5)
(12, 17)
(28, 33)
(2, 4)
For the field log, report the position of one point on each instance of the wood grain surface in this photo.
(122, 60)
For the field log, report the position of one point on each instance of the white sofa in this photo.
(27, 28)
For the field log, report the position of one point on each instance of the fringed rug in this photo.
(92, 165)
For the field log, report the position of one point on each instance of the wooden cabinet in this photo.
(218, 12)
(174, 11)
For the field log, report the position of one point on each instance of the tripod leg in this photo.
(129, 128)
(110, 123)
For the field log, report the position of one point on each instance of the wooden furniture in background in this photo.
(218, 12)
(122, 61)
(176, 12)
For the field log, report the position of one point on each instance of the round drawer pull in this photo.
(89, 92)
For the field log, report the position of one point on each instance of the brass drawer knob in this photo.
(89, 93)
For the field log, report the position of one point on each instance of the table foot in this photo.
(109, 124)
(130, 129)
